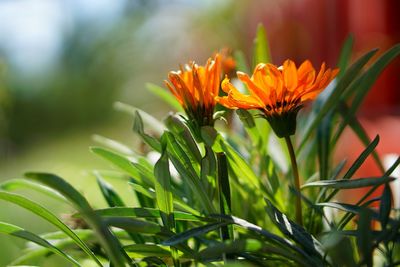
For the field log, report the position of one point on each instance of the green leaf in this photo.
(272, 175)
(261, 53)
(361, 133)
(224, 190)
(62, 242)
(211, 138)
(364, 237)
(136, 171)
(155, 125)
(333, 99)
(134, 226)
(113, 144)
(194, 232)
(249, 125)
(240, 166)
(350, 184)
(241, 62)
(108, 241)
(163, 188)
(356, 165)
(385, 206)
(147, 250)
(48, 216)
(164, 95)
(277, 240)
(355, 209)
(15, 184)
(183, 136)
(294, 231)
(139, 129)
(339, 248)
(151, 194)
(109, 194)
(345, 55)
(248, 245)
(323, 145)
(185, 168)
(13, 230)
(364, 83)
(148, 213)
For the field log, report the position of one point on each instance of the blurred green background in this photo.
(63, 63)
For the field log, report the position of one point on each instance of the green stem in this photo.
(299, 216)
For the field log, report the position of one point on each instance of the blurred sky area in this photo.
(32, 31)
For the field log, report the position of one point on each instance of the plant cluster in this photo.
(224, 191)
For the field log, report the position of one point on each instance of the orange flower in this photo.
(228, 63)
(278, 92)
(195, 87)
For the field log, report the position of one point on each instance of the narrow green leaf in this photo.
(15, 184)
(113, 144)
(163, 188)
(342, 206)
(361, 133)
(139, 129)
(224, 191)
(247, 245)
(294, 231)
(348, 216)
(356, 165)
(269, 167)
(62, 242)
(240, 166)
(13, 230)
(277, 240)
(350, 184)
(364, 238)
(194, 232)
(164, 95)
(241, 62)
(109, 194)
(345, 55)
(109, 242)
(323, 145)
(385, 206)
(211, 138)
(154, 124)
(148, 213)
(261, 53)
(183, 135)
(332, 100)
(185, 168)
(150, 193)
(339, 248)
(147, 250)
(363, 84)
(137, 171)
(48, 216)
(249, 125)
(132, 225)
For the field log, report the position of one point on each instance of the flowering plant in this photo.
(219, 193)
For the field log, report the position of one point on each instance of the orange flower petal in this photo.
(289, 75)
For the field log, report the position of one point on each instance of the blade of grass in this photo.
(108, 241)
(13, 230)
(49, 217)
